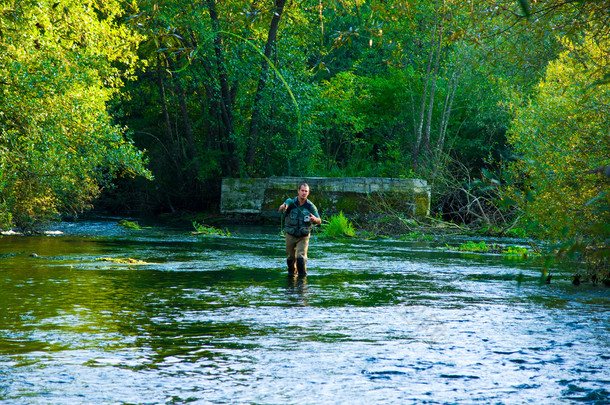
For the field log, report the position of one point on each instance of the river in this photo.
(216, 320)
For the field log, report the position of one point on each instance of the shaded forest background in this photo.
(142, 107)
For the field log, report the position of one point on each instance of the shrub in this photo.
(339, 226)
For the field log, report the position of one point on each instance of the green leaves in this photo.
(339, 226)
(59, 141)
(560, 135)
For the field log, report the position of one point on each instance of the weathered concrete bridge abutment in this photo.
(351, 195)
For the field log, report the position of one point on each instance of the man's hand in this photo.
(315, 219)
(283, 207)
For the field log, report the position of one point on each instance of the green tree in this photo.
(60, 64)
(561, 137)
(213, 99)
(420, 83)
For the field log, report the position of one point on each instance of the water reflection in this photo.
(296, 288)
(217, 320)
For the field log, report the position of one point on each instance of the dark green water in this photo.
(216, 320)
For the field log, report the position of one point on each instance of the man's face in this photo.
(303, 193)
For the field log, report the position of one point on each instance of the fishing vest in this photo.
(294, 223)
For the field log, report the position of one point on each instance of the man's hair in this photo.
(301, 185)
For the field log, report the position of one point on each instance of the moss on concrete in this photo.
(264, 196)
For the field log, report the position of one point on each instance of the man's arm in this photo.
(315, 216)
(284, 206)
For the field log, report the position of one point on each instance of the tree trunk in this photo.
(426, 134)
(321, 16)
(447, 109)
(173, 150)
(211, 126)
(262, 82)
(230, 163)
(420, 122)
(191, 152)
(164, 110)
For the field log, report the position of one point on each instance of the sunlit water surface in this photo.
(217, 320)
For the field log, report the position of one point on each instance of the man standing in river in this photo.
(300, 214)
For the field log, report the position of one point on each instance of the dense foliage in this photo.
(562, 139)
(253, 88)
(473, 96)
(60, 62)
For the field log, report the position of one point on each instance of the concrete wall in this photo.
(352, 195)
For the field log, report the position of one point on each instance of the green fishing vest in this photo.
(294, 223)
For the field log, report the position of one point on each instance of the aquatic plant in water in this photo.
(516, 251)
(338, 226)
(471, 246)
(119, 260)
(129, 224)
(201, 229)
(482, 247)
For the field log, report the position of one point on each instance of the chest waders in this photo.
(296, 226)
(294, 222)
(289, 262)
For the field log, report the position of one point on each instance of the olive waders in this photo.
(301, 266)
(291, 268)
(298, 228)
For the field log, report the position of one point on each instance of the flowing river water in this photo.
(205, 319)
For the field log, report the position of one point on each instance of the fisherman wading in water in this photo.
(300, 214)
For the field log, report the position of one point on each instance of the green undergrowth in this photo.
(338, 226)
(417, 236)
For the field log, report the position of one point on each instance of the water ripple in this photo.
(217, 320)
